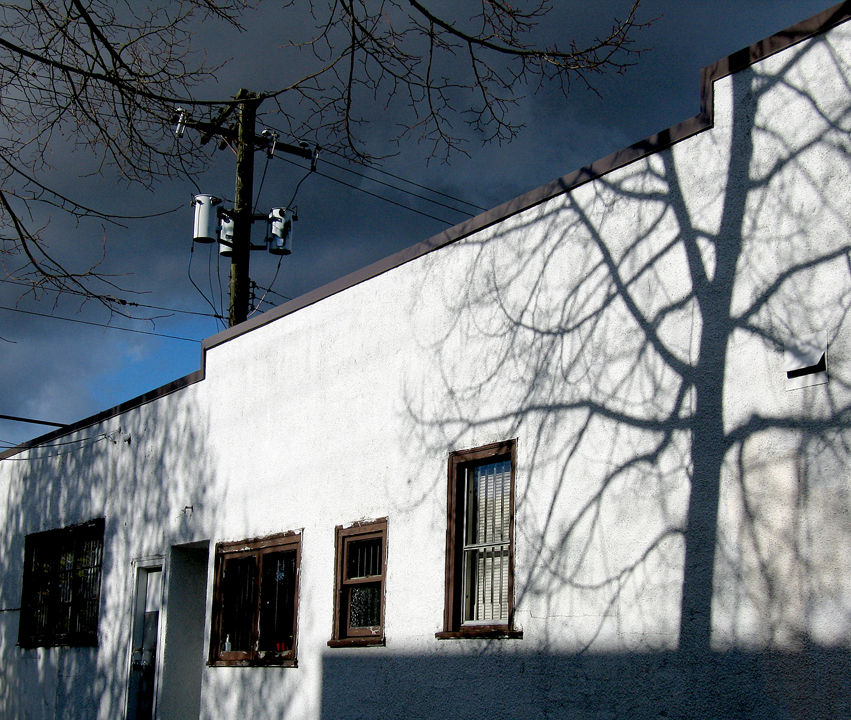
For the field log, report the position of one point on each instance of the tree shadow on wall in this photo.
(681, 519)
(138, 470)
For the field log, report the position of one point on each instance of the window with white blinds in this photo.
(486, 542)
(480, 543)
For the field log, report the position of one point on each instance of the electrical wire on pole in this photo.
(246, 139)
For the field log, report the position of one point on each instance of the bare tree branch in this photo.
(107, 77)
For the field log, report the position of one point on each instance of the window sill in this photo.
(487, 632)
(276, 662)
(368, 641)
(32, 643)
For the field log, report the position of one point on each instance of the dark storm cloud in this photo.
(57, 370)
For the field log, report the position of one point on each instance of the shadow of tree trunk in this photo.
(629, 334)
(713, 296)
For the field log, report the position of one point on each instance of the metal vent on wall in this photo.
(805, 361)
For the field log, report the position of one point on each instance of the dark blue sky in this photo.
(62, 371)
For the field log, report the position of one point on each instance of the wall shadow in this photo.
(676, 506)
(682, 521)
(735, 686)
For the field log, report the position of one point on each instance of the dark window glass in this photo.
(61, 589)
(364, 558)
(86, 585)
(256, 602)
(238, 580)
(277, 601)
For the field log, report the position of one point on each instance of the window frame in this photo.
(55, 542)
(341, 634)
(256, 547)
(460, 461)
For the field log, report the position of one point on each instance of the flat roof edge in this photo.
(524, 202)
(100, 417)
(736, 62)
(741, 60)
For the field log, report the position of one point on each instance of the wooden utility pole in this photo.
(242, 211)
(246, 141)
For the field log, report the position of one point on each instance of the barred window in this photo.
(479, 543)
(61, 587)
(486, 543)
(359, 599)
(256, 601)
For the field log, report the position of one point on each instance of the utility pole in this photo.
(247, 141)
(242, 211)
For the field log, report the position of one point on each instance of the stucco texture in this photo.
(681, 519)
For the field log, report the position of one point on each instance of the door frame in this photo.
(140, 567)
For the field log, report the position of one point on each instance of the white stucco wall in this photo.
(628, 334)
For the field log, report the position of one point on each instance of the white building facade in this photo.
(584, 456)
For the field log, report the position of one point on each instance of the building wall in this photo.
(682, 519)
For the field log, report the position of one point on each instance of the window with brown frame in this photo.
(255, 601)
(480, 544)
(359, 584)
(61, 586)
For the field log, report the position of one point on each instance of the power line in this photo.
(254, 285)
(416, 184)
(111, 435)
(376, 195)
(108, 327)
(272, 292)
(408, 192)
(119, 301)
(400, 178)
(89, 440)
(394, 187)
(200, 291)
